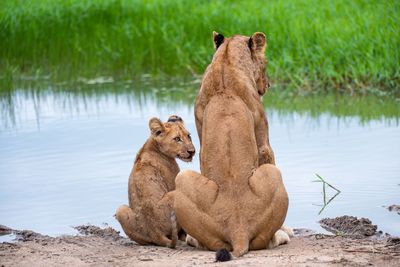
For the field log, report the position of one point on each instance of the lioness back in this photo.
(223, 157)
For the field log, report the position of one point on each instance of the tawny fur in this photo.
(238, 202)
(149, 218)
(238, 70)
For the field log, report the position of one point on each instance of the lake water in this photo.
(65, 156)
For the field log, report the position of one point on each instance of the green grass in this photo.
(313, 45)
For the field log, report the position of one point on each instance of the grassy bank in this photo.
(314, 45)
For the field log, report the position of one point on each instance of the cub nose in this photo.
(191, 152)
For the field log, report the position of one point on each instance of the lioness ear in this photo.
(258, 42)
(175, 118)
(156, 126)
(218, 39)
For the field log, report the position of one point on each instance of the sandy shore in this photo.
(96, 246)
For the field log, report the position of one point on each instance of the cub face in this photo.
(172, 138)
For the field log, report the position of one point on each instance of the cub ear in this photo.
(156, 126)
(258, 42)
(218, 39)
(175, 118)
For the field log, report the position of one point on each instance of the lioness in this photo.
(149, 218)
(242, 74)
(237, 202)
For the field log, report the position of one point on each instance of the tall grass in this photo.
(312, 44)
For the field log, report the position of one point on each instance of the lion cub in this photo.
(149, 218)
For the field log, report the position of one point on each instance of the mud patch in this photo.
(394, 208)
(28, 235)
(23, 235)
(4, 230)
(394, 243)
(107, 233)
(349, 225)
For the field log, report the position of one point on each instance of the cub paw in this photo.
(191, 241)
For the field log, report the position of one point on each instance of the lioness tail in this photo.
(223, 255)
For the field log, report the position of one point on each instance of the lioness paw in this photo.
(288, 230)
(280, 238)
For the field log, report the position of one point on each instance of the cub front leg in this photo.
(164, 209)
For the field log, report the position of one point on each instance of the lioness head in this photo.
(249, 52)
(172, 138)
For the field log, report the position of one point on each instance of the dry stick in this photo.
(367, 251)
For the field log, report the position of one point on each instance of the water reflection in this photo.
(90, 95)
(83, 96)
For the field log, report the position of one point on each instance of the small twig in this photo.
(325, 182)
(329, 201)
(367, 251)
(332, 198)
(177, 251)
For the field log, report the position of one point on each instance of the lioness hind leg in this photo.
(126, 218)
(266, 183)
(198, 224)
(198, 188)
(279, 238)
(259, 242)
(194, 197)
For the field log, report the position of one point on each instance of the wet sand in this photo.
(95, 246)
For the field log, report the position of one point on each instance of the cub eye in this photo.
(190, 138)
(177, 139)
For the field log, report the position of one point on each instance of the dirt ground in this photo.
(96, 246)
